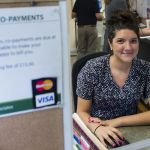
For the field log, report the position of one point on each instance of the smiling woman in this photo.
(109, 87)
(125, 45)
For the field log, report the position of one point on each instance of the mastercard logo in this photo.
(44, 85)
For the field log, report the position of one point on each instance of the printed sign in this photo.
(30, 48)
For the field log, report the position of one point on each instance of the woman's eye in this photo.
(120, 41)
(134, 41)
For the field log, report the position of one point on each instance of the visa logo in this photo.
(45, 99)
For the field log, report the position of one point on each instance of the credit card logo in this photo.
(44, 85)
(45, 99)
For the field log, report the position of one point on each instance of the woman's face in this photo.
(125, 45)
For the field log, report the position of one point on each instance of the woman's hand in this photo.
(94, 120)
(111, 135)
(113, 122)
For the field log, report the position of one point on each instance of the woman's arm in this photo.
(144, 32)
(137, 119)
(83, 110)
(99, 16)
(103, 133)
(73, 15)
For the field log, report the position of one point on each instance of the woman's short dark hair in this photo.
(121, 19)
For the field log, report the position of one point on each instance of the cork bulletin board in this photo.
(43, 128)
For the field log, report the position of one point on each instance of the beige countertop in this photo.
(136, 133)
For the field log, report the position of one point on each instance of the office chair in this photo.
(144, 51)
(77, 66)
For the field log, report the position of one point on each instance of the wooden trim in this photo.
(27, 3)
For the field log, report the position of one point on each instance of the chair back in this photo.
(144, 50)
(77, 66)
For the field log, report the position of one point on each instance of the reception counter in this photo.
(134, 134)
(138, 136)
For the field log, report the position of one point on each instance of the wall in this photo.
(72, 40)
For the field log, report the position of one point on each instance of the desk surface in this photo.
(134, 134)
